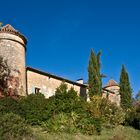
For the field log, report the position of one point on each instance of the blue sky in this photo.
(61, 34)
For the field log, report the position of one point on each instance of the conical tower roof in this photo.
(11, 30)
(111, 83)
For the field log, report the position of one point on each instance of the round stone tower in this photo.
(13, 49)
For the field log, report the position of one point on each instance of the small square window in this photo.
(37, 90)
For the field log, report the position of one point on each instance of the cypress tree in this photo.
(94, 76)
(125, 89)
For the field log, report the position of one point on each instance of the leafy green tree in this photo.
(94, 76)
(125, 89)
(62, 89)
(65, 100)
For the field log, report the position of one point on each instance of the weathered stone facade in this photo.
(12, 49)
(111, 91)
(25, 81)
(47, 83)
(29, 80)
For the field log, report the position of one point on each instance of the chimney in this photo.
(80, 81)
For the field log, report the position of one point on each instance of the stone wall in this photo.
(48, 84)
(12, 50)
(114, 97)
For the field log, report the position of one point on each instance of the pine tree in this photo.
(125, 89)
(94, 76)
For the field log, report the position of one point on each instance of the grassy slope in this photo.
(119, 133)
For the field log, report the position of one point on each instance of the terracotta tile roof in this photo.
(9, 29)
(111, 83)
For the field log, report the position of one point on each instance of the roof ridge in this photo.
(55, 76)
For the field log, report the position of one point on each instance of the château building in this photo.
(26, 80)
(111, 91)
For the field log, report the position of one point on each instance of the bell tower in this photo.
(13, 49)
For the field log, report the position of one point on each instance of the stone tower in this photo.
(13, 49)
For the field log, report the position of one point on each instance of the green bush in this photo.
(133, 117)
(64, 101)
(60, 123)
(64, 112)
(9, 104)
(68, 113)
(34, 108)
(13, 126)
(90, 125)
(109, 113)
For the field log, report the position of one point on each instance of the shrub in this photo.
(109, 113)
(68, 113)
(65, 101)
(87, 127)
(8, 104)
(90, 125)
(60, 123)
(34, 108)
(63, 110)
(133, 117)
(13, 127)
(94, 106)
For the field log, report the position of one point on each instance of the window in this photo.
(37, 90)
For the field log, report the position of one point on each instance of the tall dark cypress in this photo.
(94, 76)
(125, 89)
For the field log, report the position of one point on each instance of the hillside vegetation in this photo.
(67, 116)
(64, 116)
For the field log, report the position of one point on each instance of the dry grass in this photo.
(119, 133)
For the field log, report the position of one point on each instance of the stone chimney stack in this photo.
(13, 49)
